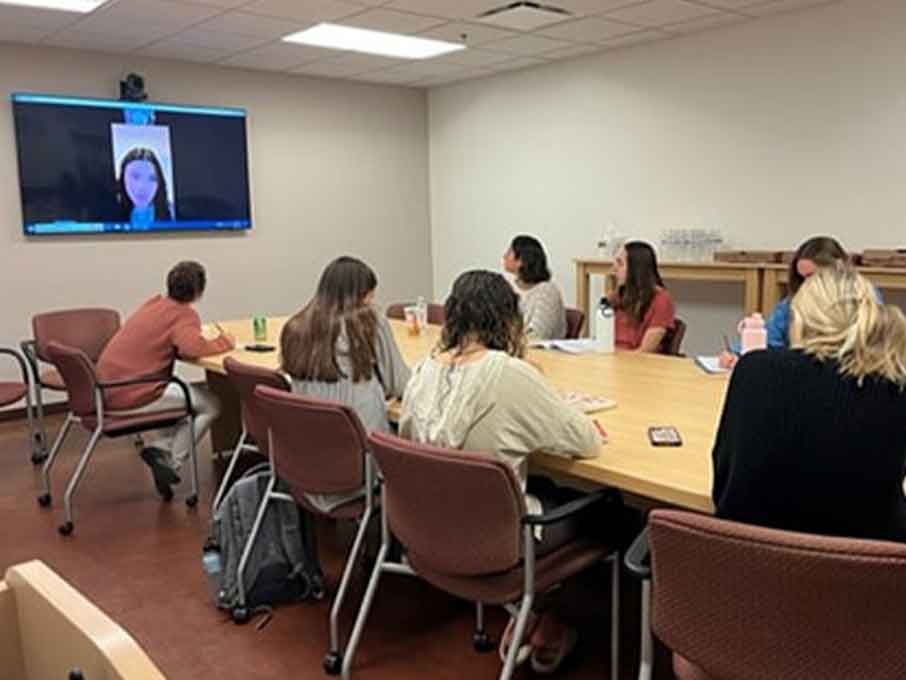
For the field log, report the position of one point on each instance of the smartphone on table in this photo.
(664, 435)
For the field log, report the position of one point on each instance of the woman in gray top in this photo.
(540, 300)
(340, 348)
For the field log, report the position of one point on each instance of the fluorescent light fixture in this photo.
(336, 37)
(83, 6)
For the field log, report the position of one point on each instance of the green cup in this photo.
(259, 327)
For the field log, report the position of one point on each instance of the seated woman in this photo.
(477, 393)
(645, 313)
(811, 438)
(340, 347)
(541, 300)
(817, 252)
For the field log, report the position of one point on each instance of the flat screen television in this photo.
(96, 166)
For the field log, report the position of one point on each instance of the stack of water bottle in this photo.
(690, 245)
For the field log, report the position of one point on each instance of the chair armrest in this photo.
(568, 509)
(145, 379)
(637, 559)
(30, 352)
(26, 377)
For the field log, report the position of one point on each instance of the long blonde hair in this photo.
(836, 316)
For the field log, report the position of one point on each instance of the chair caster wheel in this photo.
(44, 500)
(65, 528)
(333, 663)
(482, 643)
(192, 501)
(241, 615)
(38, 457)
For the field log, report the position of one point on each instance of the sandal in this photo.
(525, 650)
(547, 660)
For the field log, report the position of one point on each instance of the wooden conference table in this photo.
(649, 390)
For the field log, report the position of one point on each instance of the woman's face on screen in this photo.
(141, 183)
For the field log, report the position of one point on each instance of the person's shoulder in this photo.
(661, 294)
(770, 360)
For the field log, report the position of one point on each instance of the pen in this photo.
(219, 328)
(599, 428)
(727, 344)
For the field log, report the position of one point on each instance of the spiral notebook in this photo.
(588, 403)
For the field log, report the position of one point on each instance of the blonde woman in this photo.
(812, 438)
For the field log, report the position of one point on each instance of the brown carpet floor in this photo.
(139, 560)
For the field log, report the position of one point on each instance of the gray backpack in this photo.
(283, 565)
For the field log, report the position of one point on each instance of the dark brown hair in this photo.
(532, 260)
(822, 250)
(308, 343)
(642, 279)
(484, 308)
(186, 281)
(161, 202)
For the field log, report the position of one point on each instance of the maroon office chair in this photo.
(11, 391)
(436, 314)
(749, 603)
(245, 378)
(88, 329)
(575, 320)
(462, 520)
(86, 403)
(316, 447)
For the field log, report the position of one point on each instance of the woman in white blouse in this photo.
(540, 299)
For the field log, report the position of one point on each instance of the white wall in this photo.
(336, 168)
(772, 130)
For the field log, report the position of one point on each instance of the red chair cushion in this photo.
(11, 392)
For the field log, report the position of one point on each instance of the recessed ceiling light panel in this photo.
(337, 37)
(83, 6)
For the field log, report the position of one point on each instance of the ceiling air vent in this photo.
(524, 16)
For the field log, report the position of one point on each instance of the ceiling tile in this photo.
(518, 63)
(475, 34)
(202, 37)
(29, 17)
(451, 9)
(278, 56)
(102, 42)
(21, 34)
(637, 38)
(703, 24)
(389, 77)
(591, 29)
(429, 68)
(224, 4)
(329, 69)
(242, 23)
(574, 51)
(474, 57)
(448, 79)
(730, 4)
(392, 22)
(168, 49)
(133, 15)
(660, 12)
(304, 10)
(527, 45)
(780, 6)
(366, 62)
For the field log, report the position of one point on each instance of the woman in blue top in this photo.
(817, 252)
(143, 189)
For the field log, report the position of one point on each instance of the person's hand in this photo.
(230, 338)
(727, 360)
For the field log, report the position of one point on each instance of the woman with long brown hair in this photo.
(340, 347)
(644, 308)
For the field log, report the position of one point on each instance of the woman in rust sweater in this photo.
(163, 329)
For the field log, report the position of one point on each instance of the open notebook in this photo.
(581, 346)
(710, 364)
(587, 403)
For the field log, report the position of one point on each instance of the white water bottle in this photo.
(605, 332)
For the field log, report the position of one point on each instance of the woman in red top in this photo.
(644, 308)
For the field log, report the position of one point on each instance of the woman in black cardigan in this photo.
(813, 438)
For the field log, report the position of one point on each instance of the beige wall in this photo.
(336, 167)
(773, 130)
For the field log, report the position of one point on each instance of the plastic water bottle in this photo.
(753, 334)
(421, 307)
(605, 332)
(212, 564)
